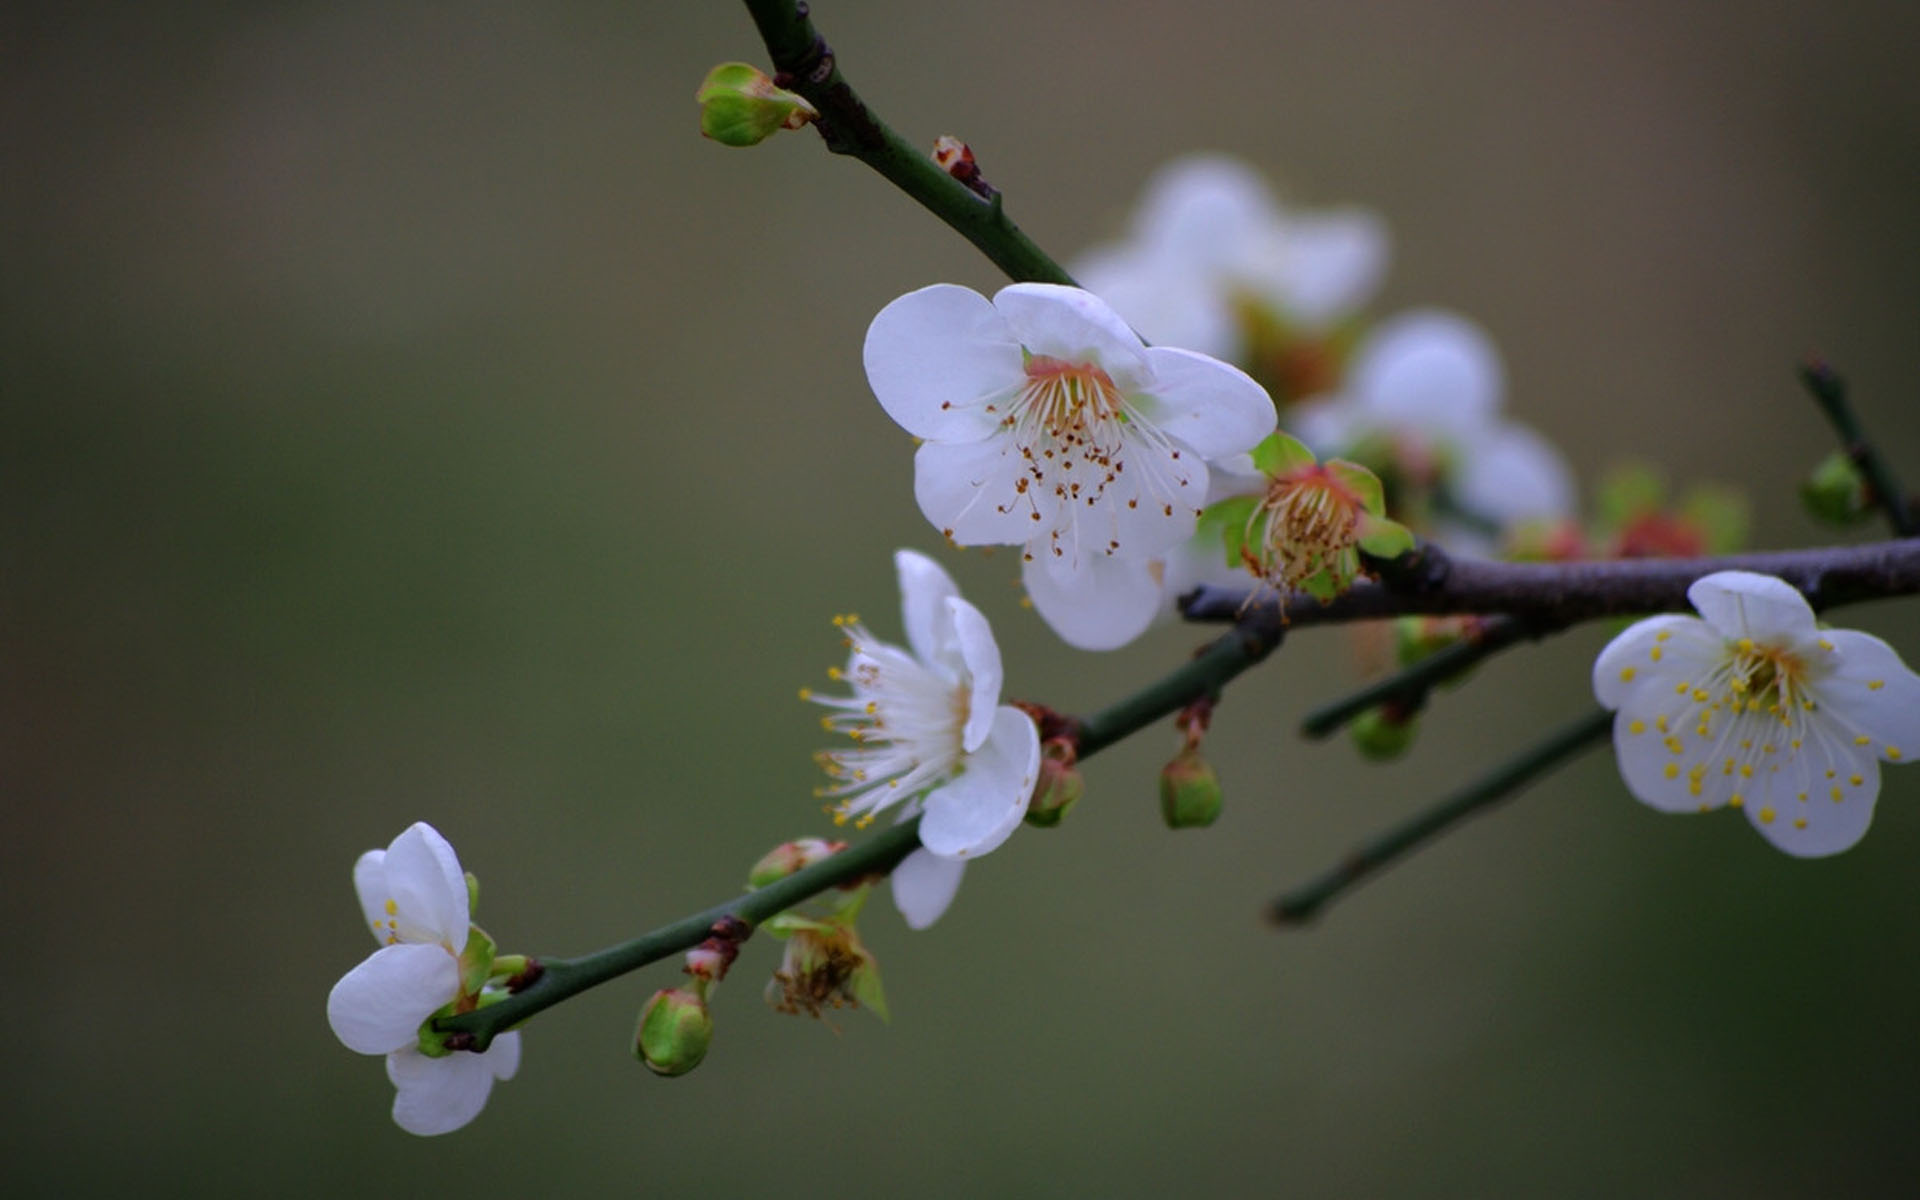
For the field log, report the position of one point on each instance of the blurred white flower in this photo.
(1421, 406)
(1755, 707)
(415, 898)
(1047, 424)
(1209, 240)
(930, 733)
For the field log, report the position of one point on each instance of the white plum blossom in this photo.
(931, 735)
(1753, 706)
(1046, 423)
(1209, 239)
(415, 898)
(1426, 387)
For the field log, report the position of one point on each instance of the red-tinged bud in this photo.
(1060, 784)
(788, 857)
(740, 106)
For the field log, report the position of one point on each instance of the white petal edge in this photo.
(981, 807)
(370, 885)
(428, 887)
(1103, 605)
(1628, 655)
(440, 1095)
(1509, 474)
(1743, 604)
(378, 1006)
(933, 357)
(1429, 370)
(925, 588)
(924, 885)
(982, 665)
(1215, 408)
(1888, 714)
(1334, 263)
(1072, 325)
(1830, 827)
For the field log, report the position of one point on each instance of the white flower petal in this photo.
(503, 1056)
(1204, 209)
(378, 1006)
(966, 489)
(1873, 693)
(1508, 473)
(1644, 759)
(1429, 370)
(1742, 604)
(1071, 325)
(428, 887)
(925, 588)
(1102, 605)
(924, 885)
(1165, 300)
(1334, 263)
(982, 807)
(1819, 825)
(1627, 668)
(1214, 408)
(981, 657)
(439, 1095)
(935, 356)
(370, 884)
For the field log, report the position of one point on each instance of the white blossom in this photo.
(415, 898)
(1047, 424)
(1753, 706)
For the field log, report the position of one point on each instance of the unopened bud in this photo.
(1415, 638)
(674, 1032)
(1060, 784)
(740, 106)
(1189, 792)
(1381, 736)
(1835, 492)
(789, 857)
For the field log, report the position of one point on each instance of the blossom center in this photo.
(906, 720)
(1307, 521)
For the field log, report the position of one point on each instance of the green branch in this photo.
(1409, 687)
(1209, 671)
(807, 66)
(1829, 391)
(565, 977)
(1303, 903)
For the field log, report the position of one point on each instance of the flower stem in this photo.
(807, 66)
(1409, 686)
(1829, 391)
(1209, 671)
(1303, 903)
(565, 977)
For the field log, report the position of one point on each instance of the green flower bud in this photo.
(1189, 792)
(1380, 736)
(740, 106)
(674, 1032)
(1060, 785)
(1835, 492)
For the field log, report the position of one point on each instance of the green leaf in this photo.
(1227, 521)
(1362, 483)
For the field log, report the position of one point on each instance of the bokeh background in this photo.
(408, 416)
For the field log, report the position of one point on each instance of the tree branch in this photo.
(1303, 903)
(1829, 391)
(1410, 685)
(1549, 594)
(806, 65)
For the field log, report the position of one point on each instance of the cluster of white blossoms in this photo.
(1216, 264)
(1751, 705)
(431, 960)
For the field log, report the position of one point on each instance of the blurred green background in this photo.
(408, 416)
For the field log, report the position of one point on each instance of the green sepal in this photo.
(1382, 538)
(473, 893)
(1227, 521)
(476, 961)
(1280, 453)
(864, 985)
(1323, 585)
(1364, 484)
(784, 925)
